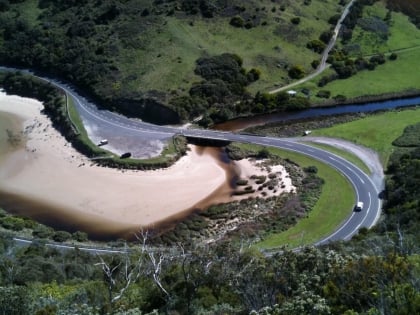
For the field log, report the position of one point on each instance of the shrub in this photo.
(295, 20)
(340, 98)
(260, 179)
(323, 94)
(12, 223)
(315, 64)
(316, 45)
(296, 72)
(253, 75)
(241, 182)
(375, 25)
(326, 36)
(237, 21)
(61, 236)
(80, 236)
(393, 56)
(42, 231)
(311, 169)
(377, 59)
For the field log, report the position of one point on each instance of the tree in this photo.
(61, 236)
(296, 72)
(121, 271)
(80, 236)
(237, 21)
(295, 20)
(393, 56)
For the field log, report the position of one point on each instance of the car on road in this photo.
(358, 206)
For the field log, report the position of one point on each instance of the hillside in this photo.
(129, 50)
(213, 59)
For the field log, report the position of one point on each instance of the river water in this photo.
(61, 219)
(243, 123)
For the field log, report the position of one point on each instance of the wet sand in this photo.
(45, 178)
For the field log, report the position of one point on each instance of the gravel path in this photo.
(368, 156)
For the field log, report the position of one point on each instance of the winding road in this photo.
(121, 127)
(140, 135)
(365, 189)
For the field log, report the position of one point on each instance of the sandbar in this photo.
(46, 167)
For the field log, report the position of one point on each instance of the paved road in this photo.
(364, 187)
(120, 126)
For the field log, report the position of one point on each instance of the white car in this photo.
(359, 206)
(103, 142)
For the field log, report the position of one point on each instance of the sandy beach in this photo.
(45, 167)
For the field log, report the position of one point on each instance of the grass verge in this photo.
(375, 131)
(344, 154)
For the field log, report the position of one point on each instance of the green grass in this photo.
(394, 76)
(400, 75)
(333, 207)
(403, 33)
(77, 121)
(344, 154)
(376, 131)
(167, 59)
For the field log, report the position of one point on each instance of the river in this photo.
(44, 212)
(243, 123)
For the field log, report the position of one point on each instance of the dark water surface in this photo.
(243, 123)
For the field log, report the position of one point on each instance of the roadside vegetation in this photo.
(376, 272)
(231, 276)
(344, 154)
(375, 131)
(334, 205)
(114, 52)
(65, 118)
(256, 218)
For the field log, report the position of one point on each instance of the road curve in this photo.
(364, 187)
(323, 63)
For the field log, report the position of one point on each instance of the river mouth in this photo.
(42, 178)
(100, 228)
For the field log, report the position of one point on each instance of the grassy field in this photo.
(394, 76)
(167, 57)
(333, 207)
(402, 33)
(376, 131)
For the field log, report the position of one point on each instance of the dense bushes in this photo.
(402, 185)
(224, 83)
(52, 98)
(296, 72)
(55, 104)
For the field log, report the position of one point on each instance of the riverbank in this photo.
(67, 189)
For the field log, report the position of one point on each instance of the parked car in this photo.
(103, 142)
(125, 155)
